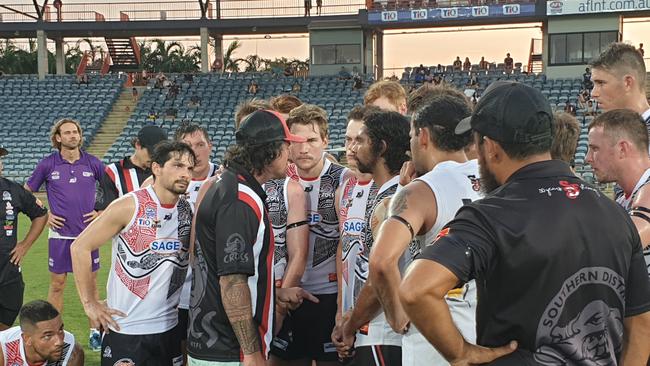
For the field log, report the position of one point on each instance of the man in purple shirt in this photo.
(70, 177)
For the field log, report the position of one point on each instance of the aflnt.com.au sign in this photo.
(566, 7)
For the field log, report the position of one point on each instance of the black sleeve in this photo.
(637, 288)
(236, 227)
(28, 204)
(464, 246)
(106, 192)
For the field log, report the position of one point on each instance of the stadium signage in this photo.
(452, 13)
(568, 7)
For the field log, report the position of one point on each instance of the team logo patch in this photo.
(55, 175)
(572, 191)
(88, 174)
(444, 232)
(235, 250)
(150, 212)
(107, 352)
(6, 196)
(476, 183)
(148, 223)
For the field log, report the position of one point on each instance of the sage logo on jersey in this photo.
(354, 226)
(579, 327)
(235, 250)
(166, 246)
(313, 218)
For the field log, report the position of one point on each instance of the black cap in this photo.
(263, 126)
(149, 136)
(511, 112)
(3, 151)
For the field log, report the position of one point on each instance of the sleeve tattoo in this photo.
(237, 303)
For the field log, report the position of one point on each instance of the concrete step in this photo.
(113, 125)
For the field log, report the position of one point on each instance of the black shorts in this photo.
(181, 328)
(376, 356)
(162, 349)
(11, 301)
(307, 332)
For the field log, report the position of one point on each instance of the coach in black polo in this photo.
(558, 266)
(15, 200)
(232, 302)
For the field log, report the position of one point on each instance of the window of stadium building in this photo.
(336, 54)
(578, 48)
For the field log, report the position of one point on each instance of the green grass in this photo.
(37, 280)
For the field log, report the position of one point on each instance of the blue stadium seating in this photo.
(31, 106)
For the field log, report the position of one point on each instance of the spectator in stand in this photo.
(307, 8)
(439, 70)
(195, 101)
(570, 109)
(188, 78)
(344, 74)
(134, 95)
(253, 88)
(357, 83)
(288, 71)
(419, 77)
(458, 64)
(319, 7)
(509, 63)
(483, 65)
(591, 109)
(586, 79)
(467, 65)
(428, 76)
(153, 115)
(171, 112)
(583, 98)
(296, 87)
(640, 49)
(419, 69)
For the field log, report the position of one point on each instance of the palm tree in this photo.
(73, 56)
(229, 62)
(94, 50)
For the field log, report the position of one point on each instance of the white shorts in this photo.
(417, 351)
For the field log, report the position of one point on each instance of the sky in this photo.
(405, 48)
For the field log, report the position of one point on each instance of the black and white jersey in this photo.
(278, 203)
(320, 272)
(121, 178)
(626, 202)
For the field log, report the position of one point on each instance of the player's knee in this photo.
(57, 284)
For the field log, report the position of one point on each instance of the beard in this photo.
(178, 187)
(488, 179)
(367, 168)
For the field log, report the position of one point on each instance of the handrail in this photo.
(183, 9)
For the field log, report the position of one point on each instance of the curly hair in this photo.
(565, 136)
(389, 131)
(440, 115)
(254, 158)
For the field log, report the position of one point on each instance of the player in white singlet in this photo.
(419, 210)
(381, 147)
(39, 340)
(618, 153)
(150, 230)
(306, 334)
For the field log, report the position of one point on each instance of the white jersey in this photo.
(320, 272)
(453, 184)
(14, 350)
(190, 195)
(378, 331)
(149, 262)
(626, 202)
(352, 218)
(277, 203)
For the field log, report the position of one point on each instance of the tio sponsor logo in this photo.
(480, 11)
(165, 246)
(449, 13)
(511, 9)
(419, 14)
(388, 16)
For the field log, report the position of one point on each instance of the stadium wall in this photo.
(576, 24)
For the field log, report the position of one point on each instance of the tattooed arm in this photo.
(414, 203)
(236, 299)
